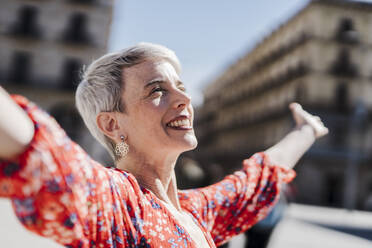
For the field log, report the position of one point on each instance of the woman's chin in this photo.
(192, 141)
(193, 145)
(188, 143)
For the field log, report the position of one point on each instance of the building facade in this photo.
(43, 47)
(321, 58)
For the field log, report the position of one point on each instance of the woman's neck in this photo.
(156, 175)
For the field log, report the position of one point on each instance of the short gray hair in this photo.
(102, 84)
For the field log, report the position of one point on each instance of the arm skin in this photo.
(16, 128)
(17, 131)
(290, 149)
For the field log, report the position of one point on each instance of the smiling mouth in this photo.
(180, 124)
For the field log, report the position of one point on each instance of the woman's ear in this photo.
(108, 124)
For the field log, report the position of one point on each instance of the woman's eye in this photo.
(157, 89)
(182, 89)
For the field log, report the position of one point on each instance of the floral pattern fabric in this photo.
(59, 192)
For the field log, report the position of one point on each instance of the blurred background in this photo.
(243, 63)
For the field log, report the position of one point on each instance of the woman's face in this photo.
(159, 116)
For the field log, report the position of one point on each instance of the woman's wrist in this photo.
(307, 132)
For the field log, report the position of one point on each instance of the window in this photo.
(340, 128)
(20, 68)
(346, 32)
(343, 65)
(346, 24)
(341, 97)
(76, 31)
(26, 24)
(70, 74)
(332, 190)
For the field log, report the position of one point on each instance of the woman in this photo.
(134, 103)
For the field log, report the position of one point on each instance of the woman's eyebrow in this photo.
(154, 81)
(179, 83)
(160, 81)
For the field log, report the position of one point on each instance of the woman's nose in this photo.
(181, 100)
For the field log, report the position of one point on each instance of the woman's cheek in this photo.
(156, 101)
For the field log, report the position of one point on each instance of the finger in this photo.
(314, 121)
(296, 112)
(311, 120)
(322, 132)
(319, 128)
(294, 105)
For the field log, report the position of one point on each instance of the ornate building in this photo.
(321, 58)
(43, 46)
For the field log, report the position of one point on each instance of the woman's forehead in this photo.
(150, 70)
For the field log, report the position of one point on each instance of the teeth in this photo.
(180, 123)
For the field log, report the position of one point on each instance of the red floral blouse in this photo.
(59, 192)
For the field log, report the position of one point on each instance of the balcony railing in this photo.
(83, 1)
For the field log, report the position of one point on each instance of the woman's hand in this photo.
(291, 148)
(303, 118)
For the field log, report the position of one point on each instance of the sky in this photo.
(207, 36)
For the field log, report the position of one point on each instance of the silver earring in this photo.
(122, 148)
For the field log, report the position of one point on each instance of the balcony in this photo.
(88, 2)
(346, 32)
(292, 73)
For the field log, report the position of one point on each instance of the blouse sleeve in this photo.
(240, 200)
(54, 185)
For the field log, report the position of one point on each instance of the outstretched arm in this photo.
(16, 128)
(56, 189)
(290, 149)
(240, 200)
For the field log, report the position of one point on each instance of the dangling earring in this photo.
(122, 148)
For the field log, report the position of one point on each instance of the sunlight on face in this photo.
(159, 111)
